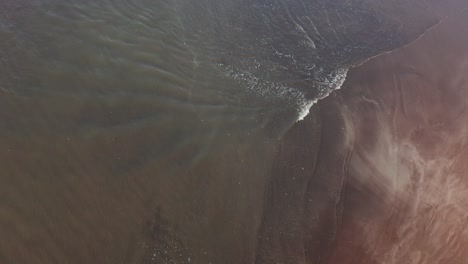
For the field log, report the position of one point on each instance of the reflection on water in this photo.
(140, 131)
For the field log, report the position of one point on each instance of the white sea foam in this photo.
(293, 97)
(326, 88)
(304, 111)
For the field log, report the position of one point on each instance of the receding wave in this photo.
(290, 96)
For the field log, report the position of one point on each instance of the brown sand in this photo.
(388, 181)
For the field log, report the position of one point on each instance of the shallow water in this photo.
(109, 117)
(146, 131)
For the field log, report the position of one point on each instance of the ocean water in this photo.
(121, 135)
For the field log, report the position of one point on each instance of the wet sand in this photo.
(377, 172)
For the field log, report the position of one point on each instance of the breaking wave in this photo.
(294, 98)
